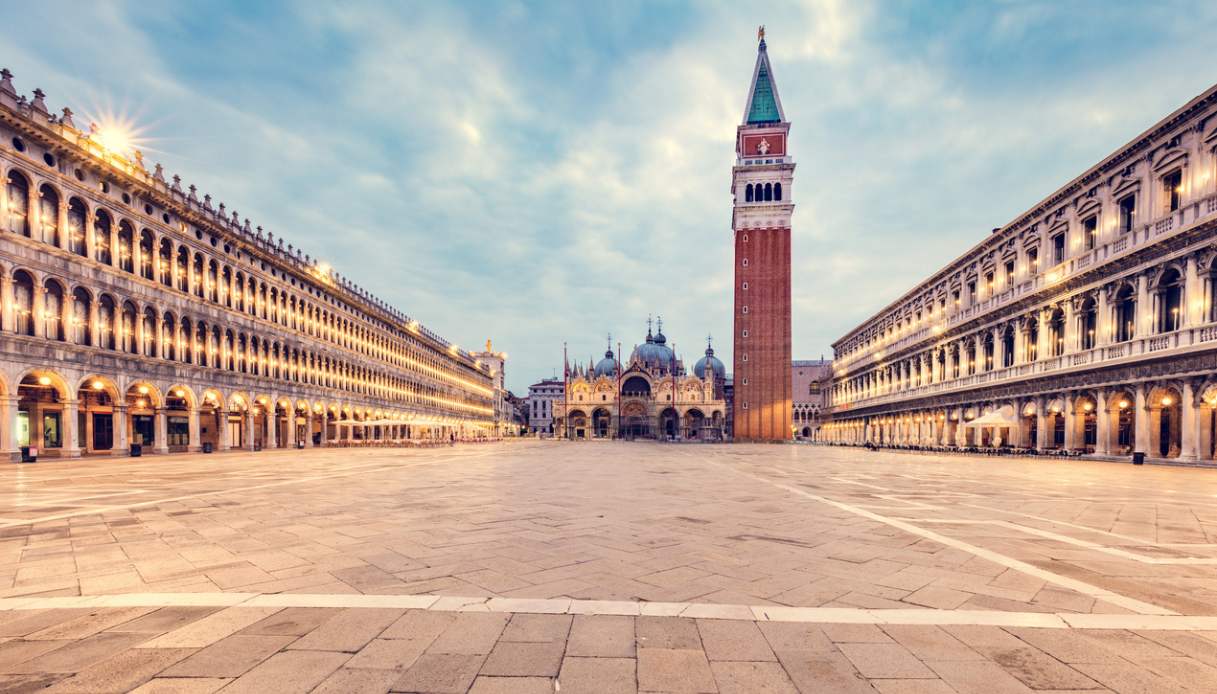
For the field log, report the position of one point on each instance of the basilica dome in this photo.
(653, 353)
(699, 369)
(606, 366)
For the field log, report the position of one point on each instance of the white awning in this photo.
(996, 418)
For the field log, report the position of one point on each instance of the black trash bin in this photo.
(299, 443)
(137, 449)
(207, 447)
(1138, 458)
(29, 454)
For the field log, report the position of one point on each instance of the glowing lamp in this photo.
(1166, 401)
(1123, 404)
(98, 385)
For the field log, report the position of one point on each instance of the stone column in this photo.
(1103, 320)
(1145, 316)
(8, 428)
(1193, 295)
(1188, 428)
(160, 431)
(38, 308)
(272, 425)
(70, 422)
(251, 438)
(1102, 445)
(8, 315)
(195, 443)
(121, 445)
(324, 417)
(1141, 445)
(292, 428)
(1041, 425)
(222, 430)
(1071, 433)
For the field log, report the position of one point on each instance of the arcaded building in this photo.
(134, 311)
(1087, 324)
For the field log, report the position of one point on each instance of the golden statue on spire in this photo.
(760, 33)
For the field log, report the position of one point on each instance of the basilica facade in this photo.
(138, 316)
(1086, 325)
(649, 396)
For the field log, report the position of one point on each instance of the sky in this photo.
(547, 172)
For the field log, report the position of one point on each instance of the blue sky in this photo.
(547, 172)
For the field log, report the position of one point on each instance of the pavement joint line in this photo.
(1130, 538)
(725, 612)
(1138, 606)
(297, 480)
(1114, 551)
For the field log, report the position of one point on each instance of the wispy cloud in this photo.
(540, 173)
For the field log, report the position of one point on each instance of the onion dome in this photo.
(699, 369)
(606, 366)
(653, 354)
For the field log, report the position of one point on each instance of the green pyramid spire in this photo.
(763, 109)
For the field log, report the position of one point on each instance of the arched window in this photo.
(23, 302)
(165, 263)
(988, 351)
(183, 269)
(147, 253)
(226, 287)
(748, 193)
(1126, 314)
(1088, 323)
(213, 281)
(18, 189)
(77, 213)
(768, 192)
(81, 329)
(1056, 333)
(126, 247)
(777, 191)
(149, 333)
(129, 341)
(185, 339)
(105, 323)
(101, 238)
(1170, 301)
(1007, 347)
(169, 336)
(200, 344)
(48, 214)
(198, 275)
(52, 311)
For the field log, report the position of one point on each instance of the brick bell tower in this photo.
(761, 185)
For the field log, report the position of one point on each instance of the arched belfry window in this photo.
(748, 193)
(768, 192)
(777, 191)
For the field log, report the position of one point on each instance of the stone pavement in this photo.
(528, 566)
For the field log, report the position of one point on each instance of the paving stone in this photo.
(884, 661)
(512, 685)
(78, 655)
(792, 636)
(930, 643)
(751, 678)
(729, 640)
(602, 636)
(666, 632)
(191, 685)
(389, 654)
(916, 687)
(440, 673)
(420, 625)
(346, 680)
(823, 672)
(515, 659)
(470, 634)
(971, 677)
(292, 621)
(598, 676)
(674, 670)
(349, 630)
(164, 620)
(230, 657)
(120, 673)
(212, 628)
(288, 671)
(537, 628)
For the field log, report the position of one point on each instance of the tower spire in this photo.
(763, 104)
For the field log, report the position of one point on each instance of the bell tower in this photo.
(761, 183)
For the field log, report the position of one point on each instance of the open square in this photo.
(607, 567)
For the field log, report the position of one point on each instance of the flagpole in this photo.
(565, 397)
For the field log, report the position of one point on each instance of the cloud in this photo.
(541, 173)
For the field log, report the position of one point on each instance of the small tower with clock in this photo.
(761, 186)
